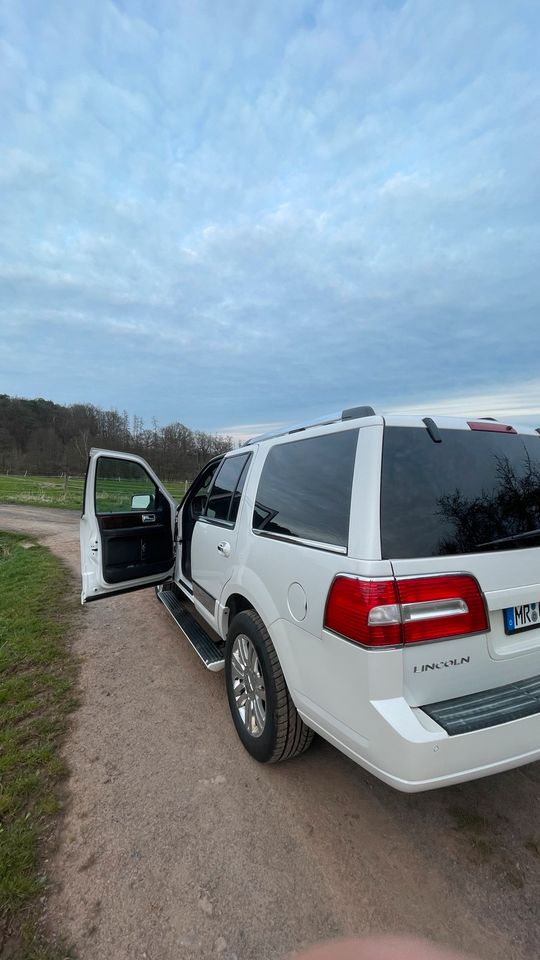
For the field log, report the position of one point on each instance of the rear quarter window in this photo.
(457, 496)
(305, 489)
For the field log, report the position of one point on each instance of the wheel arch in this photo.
(236, 603)
(238, 600)
(284, 733)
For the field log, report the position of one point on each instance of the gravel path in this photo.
(176, 844)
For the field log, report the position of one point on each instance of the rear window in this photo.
(305, 489)
(460, 495)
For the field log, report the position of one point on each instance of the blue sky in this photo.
(238, 214)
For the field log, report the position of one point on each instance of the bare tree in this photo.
(47, 438)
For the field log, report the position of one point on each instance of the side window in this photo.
(237, 495)
(198, 492)
(305, 488)
(123, 486)
(226, 492)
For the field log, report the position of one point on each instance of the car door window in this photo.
(224, 498)
(237, 495)
(198, 494)
(123, 486)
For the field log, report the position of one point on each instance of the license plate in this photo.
(524, 617)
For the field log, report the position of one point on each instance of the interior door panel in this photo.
(132, 548)
(135, 543)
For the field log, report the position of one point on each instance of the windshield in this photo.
(458, 495)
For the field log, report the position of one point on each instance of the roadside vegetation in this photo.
(39, 436)
(37, 684)
(57, 491)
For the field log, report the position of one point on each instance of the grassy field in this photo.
(37, 677)
(55, 492)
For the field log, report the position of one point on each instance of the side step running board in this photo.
(209, 651)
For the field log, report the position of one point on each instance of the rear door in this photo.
(213, 546)
(127, 526)
(468, 503)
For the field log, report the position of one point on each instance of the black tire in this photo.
(284, 734)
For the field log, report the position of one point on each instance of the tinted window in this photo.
(237, 495)
(198, 492)
(455, 496)
(224, 498)
(305, 488)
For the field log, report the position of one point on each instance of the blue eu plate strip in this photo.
(509, 621)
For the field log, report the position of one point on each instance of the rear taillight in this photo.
(352, 602)
(383, 613)
(449, 605)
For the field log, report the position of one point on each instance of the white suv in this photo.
(373, 579)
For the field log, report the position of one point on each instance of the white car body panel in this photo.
(495, 658)
(367, 702)
(211, 568)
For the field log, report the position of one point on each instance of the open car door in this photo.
(127, 526)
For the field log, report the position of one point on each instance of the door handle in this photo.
(148, 518)
(224, 548)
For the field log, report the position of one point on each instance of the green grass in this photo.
(113, 495)
(37, 676)
(54, 492)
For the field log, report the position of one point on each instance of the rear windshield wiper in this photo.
(529, 535)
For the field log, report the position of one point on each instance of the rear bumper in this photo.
(489, 708)
(410, 752)
(354, 699)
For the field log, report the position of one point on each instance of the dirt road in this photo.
(177, 845)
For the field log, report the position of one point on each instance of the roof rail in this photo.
(351, 414)
(295, 429)
(354, 413)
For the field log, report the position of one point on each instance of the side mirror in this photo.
(142, 501)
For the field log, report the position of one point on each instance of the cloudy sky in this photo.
(236, 213)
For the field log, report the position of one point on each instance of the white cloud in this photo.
(515, 400)
(246, 431)
(271, 209)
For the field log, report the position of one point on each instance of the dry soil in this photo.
(176, 844)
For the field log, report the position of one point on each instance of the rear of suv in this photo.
(373, 579)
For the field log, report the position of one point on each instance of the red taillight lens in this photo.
(348, 607)
(382, 613)
(449, 605)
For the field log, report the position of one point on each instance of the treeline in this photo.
(46, 438)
